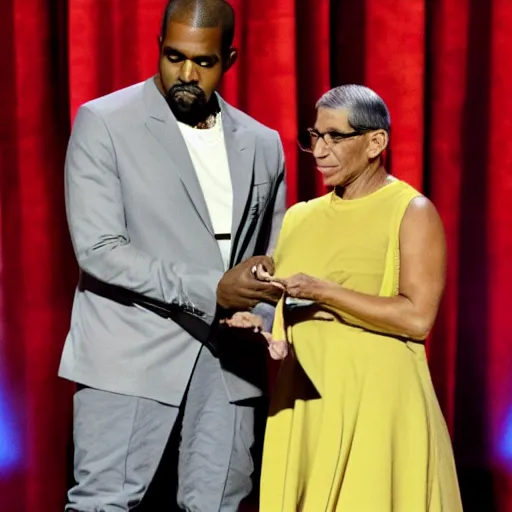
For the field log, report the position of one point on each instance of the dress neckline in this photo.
(339, 202)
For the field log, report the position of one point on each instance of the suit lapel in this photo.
(240, 145)
(163, 126)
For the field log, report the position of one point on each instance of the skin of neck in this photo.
(370, 180)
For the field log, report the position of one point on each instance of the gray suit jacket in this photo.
(149, 262)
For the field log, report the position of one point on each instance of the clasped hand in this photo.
(301, 286)
(298, 286)
(240, 289)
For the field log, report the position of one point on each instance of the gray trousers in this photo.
(119, 441)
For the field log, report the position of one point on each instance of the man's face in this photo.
(345, 159)
(190, 67)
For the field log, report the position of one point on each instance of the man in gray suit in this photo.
(170, 192)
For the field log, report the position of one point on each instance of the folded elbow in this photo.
(92, 258)
(419, 329)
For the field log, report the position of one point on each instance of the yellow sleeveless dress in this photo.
(354, 425)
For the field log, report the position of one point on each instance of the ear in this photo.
(159, 41)
(378, 142)
(233, 56)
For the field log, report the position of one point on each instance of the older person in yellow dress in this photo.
(354, 424)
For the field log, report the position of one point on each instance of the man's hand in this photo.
(240, 289)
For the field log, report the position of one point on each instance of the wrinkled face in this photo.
(340, 159)
(190, 67)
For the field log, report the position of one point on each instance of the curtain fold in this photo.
(36, 263)
(442, 69)
(447, 39)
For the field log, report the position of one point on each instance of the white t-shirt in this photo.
(208, 153)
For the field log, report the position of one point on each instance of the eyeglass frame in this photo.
(335, 137)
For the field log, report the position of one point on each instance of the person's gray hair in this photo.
(366, 109)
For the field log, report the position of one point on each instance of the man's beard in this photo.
(188, 103)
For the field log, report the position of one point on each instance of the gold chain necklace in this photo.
(209, 122)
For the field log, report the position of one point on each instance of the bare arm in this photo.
(422, 277)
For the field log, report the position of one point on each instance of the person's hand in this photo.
(262, 275)
(244, 320)
(278, 349)
(240, 289)
(302, 286)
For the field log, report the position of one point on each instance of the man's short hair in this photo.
(202, 14)
(366, 109)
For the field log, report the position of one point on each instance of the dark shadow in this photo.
(64, 269)
(243, 353)
(105, 21)
(470, 423)
(438, 362)
(70, 454)
(428, 98)
(63, 266)
(308, 93)
(161, 494)
(128, 34)
(348, 42)
(303, 389)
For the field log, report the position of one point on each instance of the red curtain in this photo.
(442, 69)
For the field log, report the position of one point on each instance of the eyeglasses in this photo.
(309, 138)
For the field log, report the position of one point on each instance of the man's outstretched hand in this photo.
(240, 289)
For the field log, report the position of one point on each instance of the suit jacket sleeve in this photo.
(95, 212)
(267, 311)
(279, 202)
